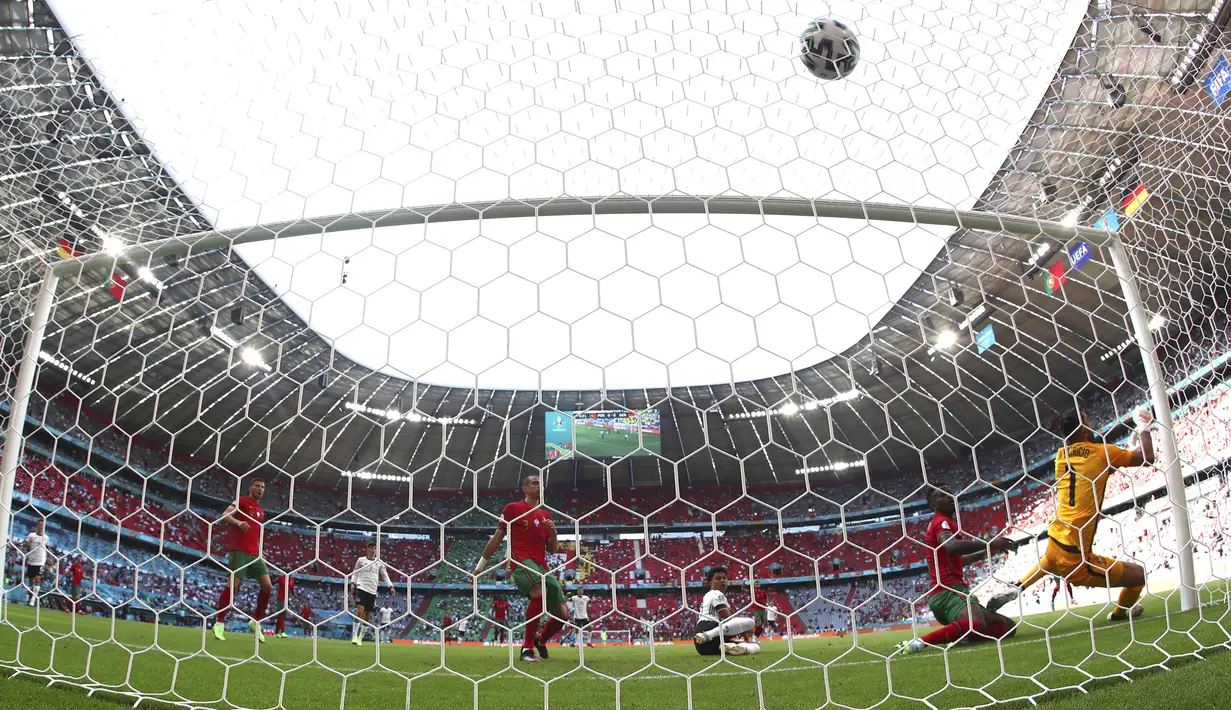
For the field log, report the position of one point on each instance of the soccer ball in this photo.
(828, 49)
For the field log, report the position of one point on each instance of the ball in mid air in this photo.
(829, 49)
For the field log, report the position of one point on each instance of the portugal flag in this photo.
(1134, 199)
(67, 249)
(1054, 278)
(118, 283)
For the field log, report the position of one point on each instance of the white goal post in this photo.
(1023, 227)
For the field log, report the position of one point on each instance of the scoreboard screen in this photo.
(602, 433)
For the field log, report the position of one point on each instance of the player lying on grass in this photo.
(717, 623)
(950, 599)
(1082, 470)
(533, 536)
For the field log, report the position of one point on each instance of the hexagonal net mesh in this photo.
(599, 353)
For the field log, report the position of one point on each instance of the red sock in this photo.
(224, 601)
(262, 603)
(280, 625)
(550, 629)
(532, 621)
(948, 634)
(757, 631)
(1000, 631)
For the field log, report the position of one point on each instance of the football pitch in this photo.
(591, 443)
(1053, 652)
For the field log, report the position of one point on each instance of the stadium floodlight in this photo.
(252, 356)
(148, 276)
(69, 369)
(838, 466)
(113, 246)
(394, 415)
(1158, 322)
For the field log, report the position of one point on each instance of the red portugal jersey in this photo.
(77, 571)
(529, 531)
(500, 610)
(248, 542)
(285, 585)
(758, 599)
(944, 570)
(447, 621)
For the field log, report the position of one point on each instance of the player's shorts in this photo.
(245, 566)
(1084, 569)
(948, 603)
(528, 574)
(34, 571)
(581, 622)
(758, 615)
(367, 600)
(76, 591)
(709, 648)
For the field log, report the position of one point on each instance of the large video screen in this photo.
(603, 434)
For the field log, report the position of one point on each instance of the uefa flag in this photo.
(1134, 199)
(118, 283)
(1108, 221)
(1054, 278)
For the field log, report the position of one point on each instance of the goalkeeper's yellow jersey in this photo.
(1082, 471)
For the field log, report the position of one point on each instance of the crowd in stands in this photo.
(830, 553)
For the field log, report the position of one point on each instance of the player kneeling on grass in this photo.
(717, 622)
(950, 599)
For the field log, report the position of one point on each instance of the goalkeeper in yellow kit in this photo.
(1082, 470)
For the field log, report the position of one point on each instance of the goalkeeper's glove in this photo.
(480, 566)
(1143, 418)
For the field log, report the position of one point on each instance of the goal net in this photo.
(351, 352)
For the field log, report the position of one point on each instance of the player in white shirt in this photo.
(771, 619)
(579, 605)
(386, 620)
(716, 623)
(462, 625)
(365, 583)
(36, 545)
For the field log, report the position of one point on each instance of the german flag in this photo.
(67, 249)
(1134, 199)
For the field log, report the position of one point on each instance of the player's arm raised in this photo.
(228, 517)
(970, 549)
(492, 545)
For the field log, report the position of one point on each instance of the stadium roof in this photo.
(164, 363)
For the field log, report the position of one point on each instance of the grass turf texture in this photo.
(1055, 652)
(591, 443)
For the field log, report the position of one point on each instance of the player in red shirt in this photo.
(500, 615)
(285, 586)
(445, 623)
(246, 519)
(533, 536)
(758, 610)
(77, 572)
(950, 599)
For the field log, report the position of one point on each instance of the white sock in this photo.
(732, 627)
(750, 649)
(356, 632)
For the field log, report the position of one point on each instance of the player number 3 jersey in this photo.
(528, 532)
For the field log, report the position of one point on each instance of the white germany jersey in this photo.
(36, 552)
(369, 574)
(771, 613)
(386, 615)
(711, 603)
(580, 608)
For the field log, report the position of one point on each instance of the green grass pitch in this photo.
(1054, 652)
(590, 442)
